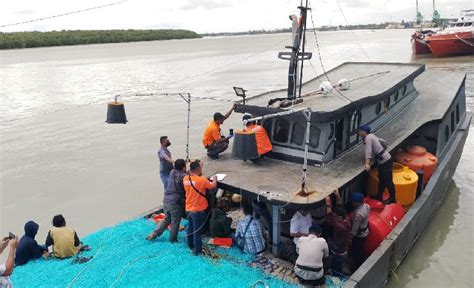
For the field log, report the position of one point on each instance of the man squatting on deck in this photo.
(213, 140)
(375, 151)
(166, 162)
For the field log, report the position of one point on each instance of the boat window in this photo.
(268, 127)
(387, 102)
(395, 97)
(298, 134)
(402, 91)
(355, 120)
(453, 125)
(446, 133)
(378, 108)
(457, 113)
(282, 128)
(314, 134)
(331, 131)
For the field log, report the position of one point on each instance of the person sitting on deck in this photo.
(166, 163)
(220, 223)
(264, 146)
(28, 248)
(359, 230)
(173, 203)
(311, 251)
(251, 231)
(213, 140)
(63, 239)
(375, 150)
(341, 233)
(6, 270)
(300, 224)
(196, 188)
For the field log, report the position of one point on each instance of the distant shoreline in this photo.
(19, 40)
(35, 39)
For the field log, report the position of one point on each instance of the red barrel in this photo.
(381, 224)
(375, 205)
(417, 158)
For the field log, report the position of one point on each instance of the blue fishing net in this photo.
(123, 258)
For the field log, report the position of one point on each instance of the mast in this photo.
(436, 15)
(419, 17)
(297, 54)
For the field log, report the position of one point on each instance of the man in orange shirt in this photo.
(264, 145)
(213, 140)
(196, 188)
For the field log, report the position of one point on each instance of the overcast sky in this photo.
(210, 15)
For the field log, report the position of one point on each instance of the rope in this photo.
(465, 41)
(321, 59)
(260, 282)
(63, 14)
(352, 32)
(130, 263)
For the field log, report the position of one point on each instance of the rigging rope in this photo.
(321, 59)
(352, 32)
(63, 14)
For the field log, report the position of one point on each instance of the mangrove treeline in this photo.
(77, 37)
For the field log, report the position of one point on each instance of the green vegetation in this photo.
(79, 37)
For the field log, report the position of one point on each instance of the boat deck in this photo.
(385, 77)
(279, 181)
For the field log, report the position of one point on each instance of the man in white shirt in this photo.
(309, 265)
(299, 225)
(7, 269)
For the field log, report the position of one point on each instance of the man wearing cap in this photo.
(213, 140)
(375, 150)
(311, 251)
(264, 145)
(360, 228)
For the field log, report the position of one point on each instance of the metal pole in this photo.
(187, 128)
(307, 115)
(276, 219)
(303, 31)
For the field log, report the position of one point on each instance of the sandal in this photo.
(152, 236)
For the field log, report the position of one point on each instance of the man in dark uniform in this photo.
(375, 151)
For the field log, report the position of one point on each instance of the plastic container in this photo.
(417, 158)
(375, 205)
(381, 224)
(405, 181)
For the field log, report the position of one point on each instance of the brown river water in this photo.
(58, 156)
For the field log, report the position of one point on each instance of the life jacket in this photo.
(263, 142)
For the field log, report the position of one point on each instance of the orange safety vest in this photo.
(212, 133)
(263, 142)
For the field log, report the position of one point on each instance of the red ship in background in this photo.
(456, 39)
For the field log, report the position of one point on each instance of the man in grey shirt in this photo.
(173, 203)
(360, 229)
(166, 163)
(375, 151)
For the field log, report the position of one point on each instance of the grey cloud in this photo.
(206, 4)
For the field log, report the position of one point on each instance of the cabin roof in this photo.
(388, 79)
(278, 181)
